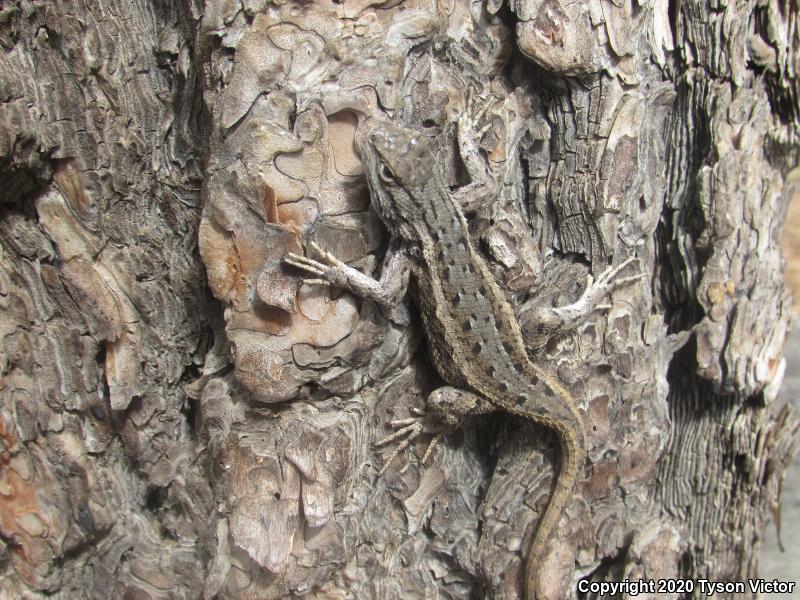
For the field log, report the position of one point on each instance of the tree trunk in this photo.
(161, 443)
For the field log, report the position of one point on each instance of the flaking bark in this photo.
(182, 417)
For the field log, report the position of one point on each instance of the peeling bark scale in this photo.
(183, 417)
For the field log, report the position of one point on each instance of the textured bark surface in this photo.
(182, 417)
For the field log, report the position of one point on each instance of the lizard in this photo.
(473, 336)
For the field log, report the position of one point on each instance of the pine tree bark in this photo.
(182, 417)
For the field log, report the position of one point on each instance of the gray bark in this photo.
(182, 417)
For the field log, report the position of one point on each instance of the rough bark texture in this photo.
(159, 443)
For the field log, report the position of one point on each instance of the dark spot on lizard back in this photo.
(503, 387)
(548, 391)
(490, 371)
(467, 325)
(457, 298)
(507, 347)
(520, 400)
(534, 380)
(518, 367)
(477, 348)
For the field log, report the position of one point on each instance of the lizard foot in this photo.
(407, 430)
(595, 291)
(540, 323)
(608, 279)
(468, 124)
(446, 408)
(483, 189)
(329, 271)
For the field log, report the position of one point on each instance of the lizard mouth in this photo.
(386, 137)
(380, 141)
(368, 131)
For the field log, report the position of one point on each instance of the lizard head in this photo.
(400, 166)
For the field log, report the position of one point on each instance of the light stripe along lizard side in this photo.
(473, 335)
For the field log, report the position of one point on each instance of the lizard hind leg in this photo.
(450, 405)
(446, 408)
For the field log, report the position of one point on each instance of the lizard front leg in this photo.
(387, 291)
(482, 189)
(540, 323)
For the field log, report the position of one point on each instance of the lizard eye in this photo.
(386, 174)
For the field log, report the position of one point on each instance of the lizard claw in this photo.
(316, 281)
(407, 430)
(468, 130)
(609, 275)
(324, 270)
(607, 281)
(305, 263)
(329, 258)
(594, 292)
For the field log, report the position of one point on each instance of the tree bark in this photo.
(183, 417)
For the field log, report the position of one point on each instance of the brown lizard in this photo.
(472, 332)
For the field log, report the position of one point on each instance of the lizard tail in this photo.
(572, 457)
